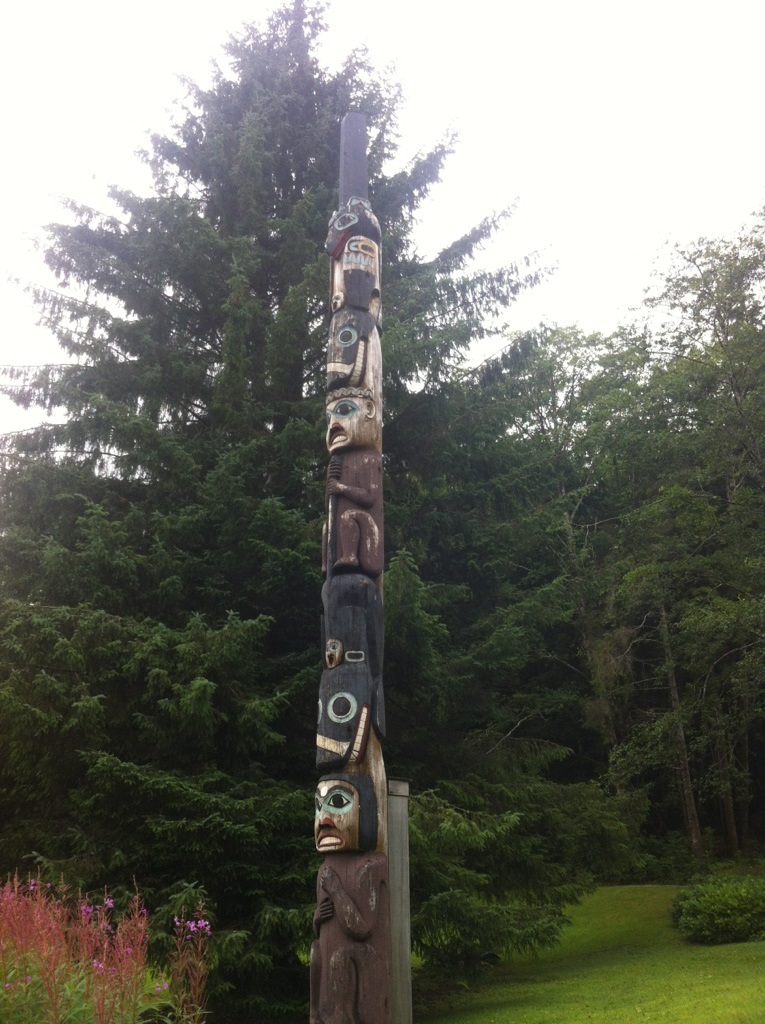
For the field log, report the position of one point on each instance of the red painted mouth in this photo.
(337, 435)
(328, 838)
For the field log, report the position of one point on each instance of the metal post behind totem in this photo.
(400, 912)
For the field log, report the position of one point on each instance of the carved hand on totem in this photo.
(324, 912)
(335, 487)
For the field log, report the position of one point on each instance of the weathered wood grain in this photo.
(350, 958)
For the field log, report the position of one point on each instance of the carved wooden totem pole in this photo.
(350, 957)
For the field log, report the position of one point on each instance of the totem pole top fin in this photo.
(354, 173)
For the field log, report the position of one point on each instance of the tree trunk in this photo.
(722, 765)
(744, 790)
(682, 768)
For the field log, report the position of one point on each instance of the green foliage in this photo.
(721, 910)
(495, 864)
(455, 933)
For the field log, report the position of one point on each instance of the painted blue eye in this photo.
(337, 801)
(345, 407)
(348, 336)
(342, 707)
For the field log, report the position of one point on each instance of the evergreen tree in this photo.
(673, 641)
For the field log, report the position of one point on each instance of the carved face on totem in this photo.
(353, 420)
(346, 813)
(347, 711)
(355, 218)
(355, 279)
(334, 652)
(349, 340)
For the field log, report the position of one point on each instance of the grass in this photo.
(621, 962)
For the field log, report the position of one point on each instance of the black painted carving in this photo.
(350, 704)
(355, 218)
(356, 278)
(353, 615)
(351, 333)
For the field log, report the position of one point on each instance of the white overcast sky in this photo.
(616, 126)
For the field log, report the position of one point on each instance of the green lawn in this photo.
(621, 962)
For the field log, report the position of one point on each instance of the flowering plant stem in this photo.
(66, 961)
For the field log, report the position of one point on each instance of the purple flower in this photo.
(108, 903)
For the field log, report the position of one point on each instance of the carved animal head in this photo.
(347, 711)
(349, 340)
(355, 218)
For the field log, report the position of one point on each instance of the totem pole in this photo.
(350, 957)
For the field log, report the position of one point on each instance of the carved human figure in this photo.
(354, 420)
(350, 958)
(355, 517)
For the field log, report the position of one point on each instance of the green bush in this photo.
(721, 910)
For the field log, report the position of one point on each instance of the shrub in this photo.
(721, 910)
(455, 932)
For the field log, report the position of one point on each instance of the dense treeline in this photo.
(574, 594)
